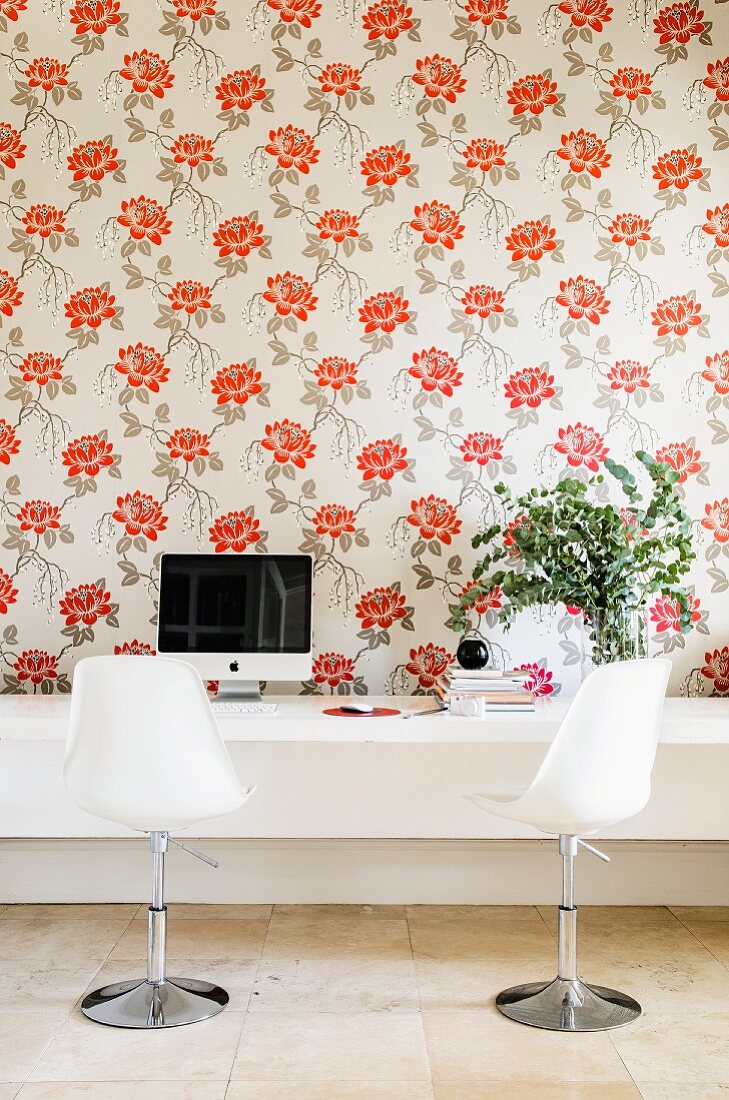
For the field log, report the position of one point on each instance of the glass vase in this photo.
(613, 634)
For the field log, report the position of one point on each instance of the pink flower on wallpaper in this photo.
(337, 225)
(481, 448)
(190, 295)
(9, 442)
(47, 73)
(291, 295)
(384, 311)
(94, 16)
(382, 459)
(582, 446)
(539, 681)
(684, 458)
(145, 219)
(675, 316)
(677, 169)
(717, 372)
(41, 367)
(678, 22)
(332, 669)
(436, 370)
(481, 301)
(92, 160)
(631, 82)
(87, 603)
(289, 442)
(387, 19)
(90, 307)
(380, 608)
(429, 663)
(438, 222)
(585, 152)
(334, 520)
(142, 366)
(238, 236)
(629, 376)
(339, 78)
(530, 386)
(237, 382)
(335, 372)
(583, 297)
(716, 669)
(12, 148)
(490, 600)
(88, 456)
(439, 77)
(593, 14)
(192, 149)
(188, 444)
(134, 649)
(36, 665)
(147, 72)
(296, 11)
(629, 229)
(717, 79)
(531, 94)
(665, 614)
(434, 518)
(8, 592)
(39, 516)
(486, 12)
(293, 148)
(716, 519)
(484, 153)
(140, 514)
(717, 225)
(385, 165)
(239, 90)
(10, 294)
(234, 531)
(530, 241)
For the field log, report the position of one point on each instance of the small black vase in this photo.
(472, 654)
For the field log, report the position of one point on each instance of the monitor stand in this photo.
(232, 691)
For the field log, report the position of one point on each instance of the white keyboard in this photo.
(229, 709)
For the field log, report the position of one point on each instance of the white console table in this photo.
(341, 792)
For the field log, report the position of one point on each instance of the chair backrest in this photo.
(598, 768)
(143, 748)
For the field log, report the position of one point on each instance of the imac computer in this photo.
(238, 618)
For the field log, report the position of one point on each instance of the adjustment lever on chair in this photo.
(595, 851)
(194, 852)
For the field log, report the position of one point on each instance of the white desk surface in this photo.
(300, 719)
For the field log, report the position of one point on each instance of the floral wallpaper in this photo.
(316, 274)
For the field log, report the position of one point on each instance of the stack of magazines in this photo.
(476, 693)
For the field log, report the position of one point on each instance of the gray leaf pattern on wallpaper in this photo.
(315, 275)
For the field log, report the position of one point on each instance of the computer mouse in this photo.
(357, 708)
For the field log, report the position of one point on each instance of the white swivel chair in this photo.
(596, 773)
(143, 750)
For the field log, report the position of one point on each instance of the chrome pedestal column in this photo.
(157, 1000)
(567, 1003)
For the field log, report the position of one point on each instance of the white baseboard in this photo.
(496, 872)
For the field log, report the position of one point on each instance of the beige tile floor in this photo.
(363, 1003)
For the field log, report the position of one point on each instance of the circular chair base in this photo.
(567, 1006)
(142, 1004)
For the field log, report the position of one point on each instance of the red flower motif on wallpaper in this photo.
(677, 169)
(332, 669)
(583, 297)
(291, 295)
(629, 376)
(92, 160)
(337, 225)
(482, 301)
(192, 149)
(145, 219)
(335, 372)
(142, 366)
(665, 613)
(387, 19)
(190, 295)
(234, 531)
(8, 592)
(296, 11)
(581, 446)
(10, 294)
(486, 12)
(381, 608)
(90, 307)
(238, 236)
(438, 222)
(382, 312)
(12, 148)
(340, 78)
(629, 229)
(289, 442)
(293, 148)
(134, 649)
(716, 519)
(43, 219)
(147, 72)
(509, 540)
(684, 458)
(194, 9)
(237, 382)
(585, 152)
(717, 78)
(188, 444)
(678, 22)
(439, 77)
(429, 663)
(717, 372)
(9, 442)
(382, 459)
(334, 520)
(41, 367)
(47, 73)
(631, 82)
(481, 448)
(587, 13)
(239, 90)
(11, 8)
(531, 94)
(88, 456)
(39, 516)
(675, 316)
(539, 681)
(434, 518)
(486, 601)
(386, 165)
(36, 665)
(87, 603)
(717, 225)
(530, 241)
(716, 668)
(529, 386)
(436, 370)
(484, 153)
(94, 16)
(140, 514)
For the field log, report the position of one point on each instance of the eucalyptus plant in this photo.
(571, 545)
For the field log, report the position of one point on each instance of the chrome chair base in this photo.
(563, 1005)
(143, 1004)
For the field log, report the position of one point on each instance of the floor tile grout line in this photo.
(700, 941)
(420, 1002)
(250, 995)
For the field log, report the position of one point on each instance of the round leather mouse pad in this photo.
(378, 712)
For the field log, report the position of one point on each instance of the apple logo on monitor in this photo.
(233, 666)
